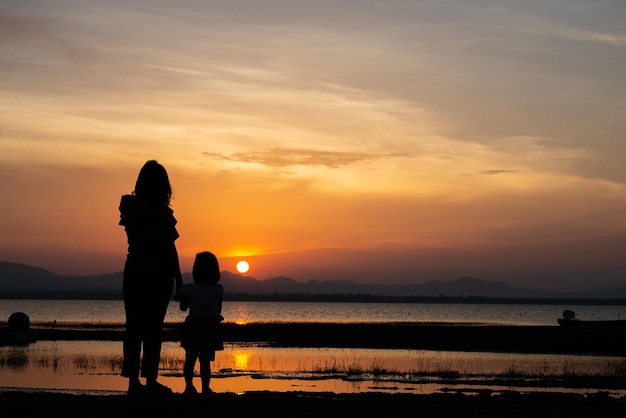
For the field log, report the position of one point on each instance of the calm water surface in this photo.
(112, 312)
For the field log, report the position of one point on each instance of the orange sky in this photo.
(291, 126)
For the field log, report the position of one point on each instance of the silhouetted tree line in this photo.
(364, 298)
(360, 298)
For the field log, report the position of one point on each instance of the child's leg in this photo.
(205, 373)
(190, 363)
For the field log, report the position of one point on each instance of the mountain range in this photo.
(23, 281)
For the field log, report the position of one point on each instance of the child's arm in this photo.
(219, 306)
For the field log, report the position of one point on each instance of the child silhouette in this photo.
(201, 335)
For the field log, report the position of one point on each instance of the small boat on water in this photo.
(569, 320)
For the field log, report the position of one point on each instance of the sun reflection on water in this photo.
(241, 359)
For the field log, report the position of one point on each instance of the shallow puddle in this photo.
(95, 365)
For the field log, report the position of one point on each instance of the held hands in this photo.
(179, 283)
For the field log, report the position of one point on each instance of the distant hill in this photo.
(22, 281)
(563, 266)
(464, 286)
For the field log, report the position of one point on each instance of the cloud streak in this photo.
(280, 158)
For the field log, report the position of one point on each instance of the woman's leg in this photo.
(156, 301)
(133, 334)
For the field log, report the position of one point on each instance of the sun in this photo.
(243, 266)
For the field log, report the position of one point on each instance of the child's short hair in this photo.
(206, 268)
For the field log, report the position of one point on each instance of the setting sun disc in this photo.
(243, 266)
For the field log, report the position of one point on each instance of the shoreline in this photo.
(398, 335)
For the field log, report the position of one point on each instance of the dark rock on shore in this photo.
(18, 321)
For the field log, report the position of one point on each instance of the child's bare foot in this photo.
(207, 392)
(190, 390)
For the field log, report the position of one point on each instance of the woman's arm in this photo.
(178, 277)
(183, 302)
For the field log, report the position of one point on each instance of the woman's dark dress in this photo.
(148, 282)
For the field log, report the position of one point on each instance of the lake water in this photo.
(112, 312)
(95, 365)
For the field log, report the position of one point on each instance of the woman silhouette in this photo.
(150, 273)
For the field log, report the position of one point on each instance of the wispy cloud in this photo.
(587, 35)
(492, 172)
(40, 34)
(282, 157)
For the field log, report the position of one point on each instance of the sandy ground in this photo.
(302, 404)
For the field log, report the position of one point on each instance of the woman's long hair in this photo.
(153, 184)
